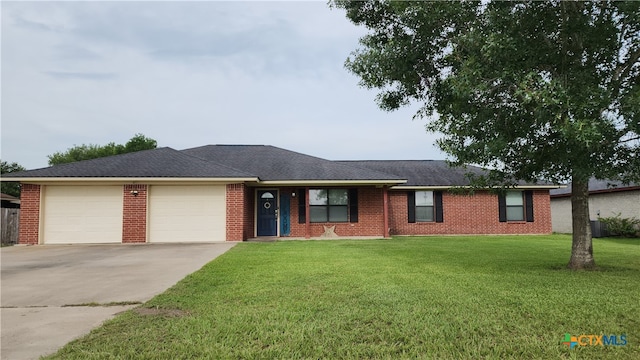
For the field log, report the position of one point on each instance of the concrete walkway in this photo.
(45, 288)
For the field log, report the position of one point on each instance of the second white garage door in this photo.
(187, 213)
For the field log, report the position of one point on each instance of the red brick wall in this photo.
(249, 209)
(29, 214)
(134, 214)
(370, 218)
(477, 214)
(235, 199)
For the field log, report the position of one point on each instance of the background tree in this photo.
(10, 188)
(85, 152)
(534, 90)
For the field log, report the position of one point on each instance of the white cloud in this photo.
(189, 74)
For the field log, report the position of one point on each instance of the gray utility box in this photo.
(599, 229)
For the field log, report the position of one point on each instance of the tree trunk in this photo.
(581, 248)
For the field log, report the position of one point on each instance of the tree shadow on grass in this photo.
(598, 269)
(620, 240)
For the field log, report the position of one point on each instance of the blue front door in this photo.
(267, 208)
(285, 221)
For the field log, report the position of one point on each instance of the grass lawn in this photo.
(429, 297)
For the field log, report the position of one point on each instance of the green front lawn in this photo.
(430, 297)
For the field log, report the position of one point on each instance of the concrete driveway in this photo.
(45, 288)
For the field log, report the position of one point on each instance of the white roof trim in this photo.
(439, 187)
(330, 182)
(126, 180)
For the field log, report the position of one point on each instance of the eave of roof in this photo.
(7, 197)
(597, 187)
(595, 192)
(440, 187)
(130, 180)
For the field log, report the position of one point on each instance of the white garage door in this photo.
(82, 214)
(187, 213)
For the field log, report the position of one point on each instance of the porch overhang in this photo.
(305, 183)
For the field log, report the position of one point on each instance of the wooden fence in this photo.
(9, 218)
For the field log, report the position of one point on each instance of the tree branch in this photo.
(627, 140)
(624, 68)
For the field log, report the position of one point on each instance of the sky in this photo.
(189, 74)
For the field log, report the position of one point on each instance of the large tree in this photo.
(535, 90)
(10, 188)
(85, 152)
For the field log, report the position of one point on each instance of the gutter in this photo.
(328, 182)
(443, 187)
(125, 180)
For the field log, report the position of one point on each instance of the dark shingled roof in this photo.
(428, 172)
(161, 162)
(272, 163)
(596, 186)
(421, 172)
(268, 163)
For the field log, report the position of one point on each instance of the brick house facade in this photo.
(264, 192)
(464, 214)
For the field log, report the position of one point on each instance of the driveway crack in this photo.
(95, 304)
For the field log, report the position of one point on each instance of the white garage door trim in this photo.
(82, 214)
(193, 213)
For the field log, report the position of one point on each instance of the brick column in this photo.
(29, 214)
(385, 211)
(307, 224)
(235, 212)
(134, 213)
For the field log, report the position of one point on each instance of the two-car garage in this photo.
(94, 213)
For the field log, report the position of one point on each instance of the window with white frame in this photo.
(424, 206)
(328, 205)
(515, 205)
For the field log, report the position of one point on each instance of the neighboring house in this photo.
(238, 192)
(9, 202)
(606, 199)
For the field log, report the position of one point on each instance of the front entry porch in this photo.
(319, 213)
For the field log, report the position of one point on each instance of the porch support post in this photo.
(307, 227)
(385, 210)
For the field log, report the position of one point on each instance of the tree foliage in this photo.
(10, 188)
(534, 90)
(85, 152)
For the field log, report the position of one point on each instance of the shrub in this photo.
(619, 226)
